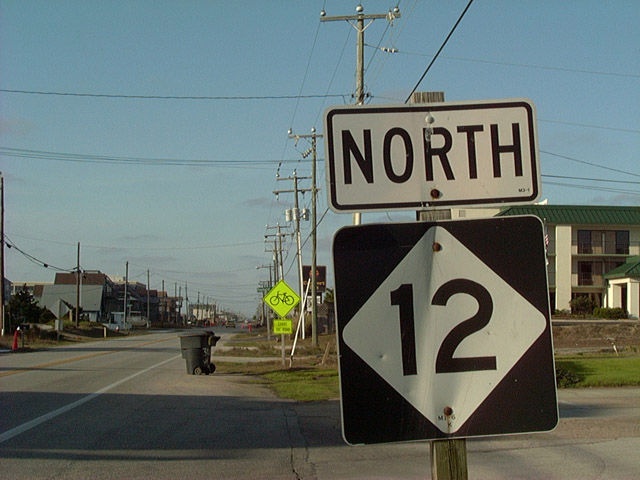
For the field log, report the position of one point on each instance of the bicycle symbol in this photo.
(283, 297)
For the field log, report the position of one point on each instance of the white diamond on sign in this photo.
(448, 329)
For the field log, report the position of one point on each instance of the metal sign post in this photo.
(281, 299)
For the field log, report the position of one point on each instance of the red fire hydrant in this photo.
(14, 347)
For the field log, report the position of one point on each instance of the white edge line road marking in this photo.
(9, 434)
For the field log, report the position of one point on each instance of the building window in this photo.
(608, 242)
(584, 241)
(592, 273)
(622, 242)
(585, 273)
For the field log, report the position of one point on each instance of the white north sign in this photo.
(444, 330)
(431, 155)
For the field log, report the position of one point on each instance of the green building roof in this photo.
(629, 269)
(578, 214)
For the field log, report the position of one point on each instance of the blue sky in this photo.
(182, 187)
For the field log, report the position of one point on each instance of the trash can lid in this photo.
(197, 333)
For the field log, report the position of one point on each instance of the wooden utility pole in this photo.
(314, 222)
(77, 316)
(126, 288)
(186, 301)
(148, 301)
(314, 241)
(265, 312)
(277, 249)
(279, 267)
(2, 319)
(357, 21)
(296, 218)
(163, 312)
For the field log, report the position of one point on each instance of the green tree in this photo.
(23, 308)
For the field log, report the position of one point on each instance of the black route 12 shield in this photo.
(444, 330)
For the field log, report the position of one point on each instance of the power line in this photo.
(11, 245)
(591, 179)
(93, 158)
(453, 29)
(129, 247)
(306, 73)
(527, 65)
(600, 127)
(611, 169)
(174, 97)
(335, 70)
(592, 187)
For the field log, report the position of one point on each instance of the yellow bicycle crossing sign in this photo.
(281, 298)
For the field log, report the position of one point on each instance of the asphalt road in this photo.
(126, 408)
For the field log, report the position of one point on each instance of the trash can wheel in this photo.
(197, 370)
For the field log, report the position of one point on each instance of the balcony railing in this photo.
(590, 280)
(606, 248)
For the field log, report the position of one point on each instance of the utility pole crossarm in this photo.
(391, 15)
(360, 27)
(347, 18)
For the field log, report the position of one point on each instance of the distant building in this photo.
(100, 297)
(61, 299)
(587, 249)
(34, 288)
(202, 313)
(623, 286)
(168, 309)
(96, 292)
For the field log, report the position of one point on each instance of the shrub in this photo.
(582, 305)
(610, 313)
(566, 378)
(31, 332)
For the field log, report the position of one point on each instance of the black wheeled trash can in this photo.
(196, 350)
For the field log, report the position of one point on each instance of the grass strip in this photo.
(305, 385)
(598, 371)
